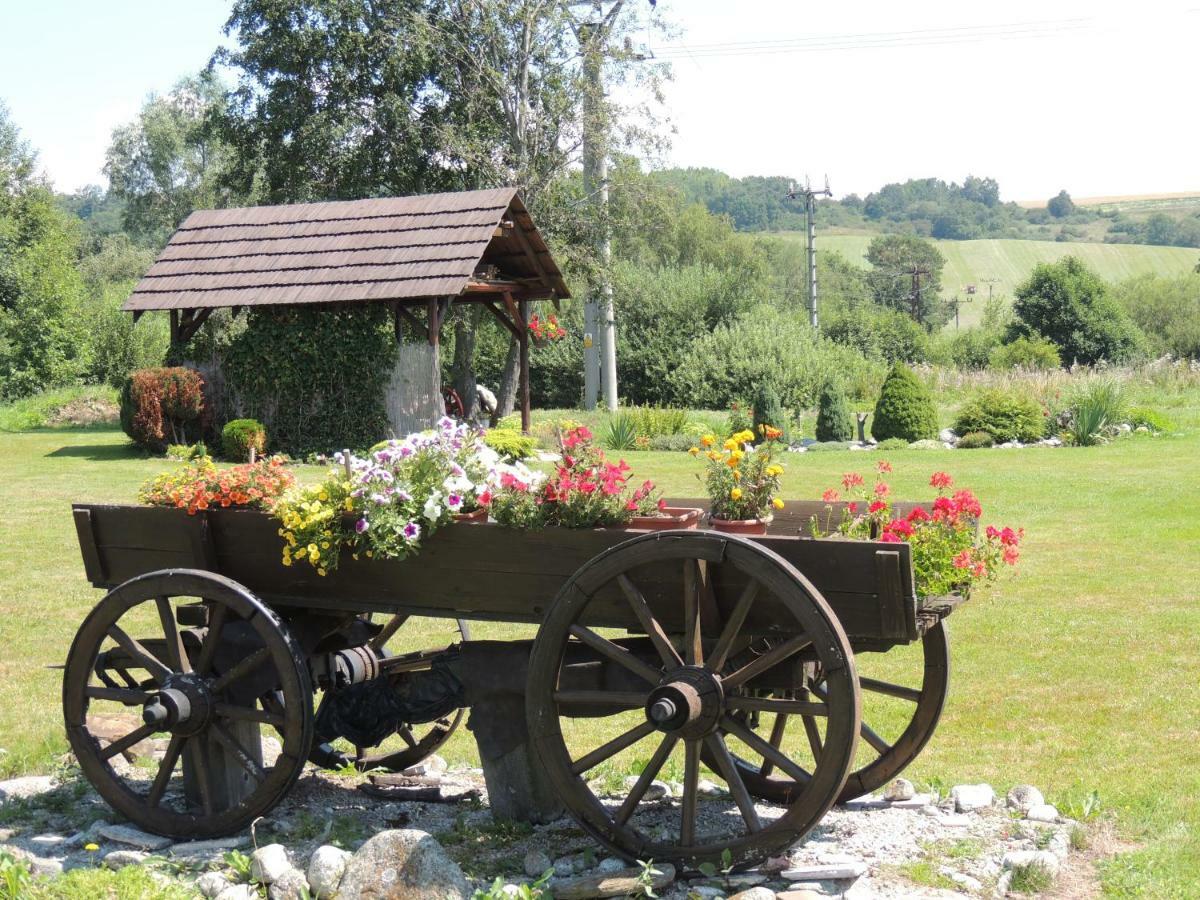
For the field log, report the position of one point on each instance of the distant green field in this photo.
(1011, 261)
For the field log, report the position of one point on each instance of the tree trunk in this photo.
(506, 396)
(463, 370)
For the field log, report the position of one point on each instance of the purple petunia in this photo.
(361, 525)
(412, 531)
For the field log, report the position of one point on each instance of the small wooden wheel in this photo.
(701, 598)
(897, 722)
(193, 688)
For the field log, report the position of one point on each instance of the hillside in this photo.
(1011, 261)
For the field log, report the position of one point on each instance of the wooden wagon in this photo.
(735, 654)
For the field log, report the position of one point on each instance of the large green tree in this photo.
(906, 275)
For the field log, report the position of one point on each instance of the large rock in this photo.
(270, 863)
(238, 892)
(210, 847)
(900, 789)
(24, 788)
(968, 797)
(211, 884)
(291, 885)
(119, 859)
(825, 872)
(127, 834)
(1023, 797)
(1020, 859)
(1042, 812)
(405, 864)
(325, 870)
(754, 893)
(612, 884)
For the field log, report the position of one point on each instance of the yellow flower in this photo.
(323, 496)
(287, 560)
(713, 455)
(301, 552)
(737, 474)
(743, 437)
(695, 451)
(774, 470)
(91, 848)
(707, 440)
(777, 503)
(735, 494)
(320, 571)
(731, 444)
(324, 545)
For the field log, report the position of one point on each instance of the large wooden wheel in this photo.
(695, 594)
(194, 690)
(901, 710)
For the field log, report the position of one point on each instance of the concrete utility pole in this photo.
(810, 215)
(592, 29)
(915, 297)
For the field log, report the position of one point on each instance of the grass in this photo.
(33, 412)
(1077, 676)
(1010, 261)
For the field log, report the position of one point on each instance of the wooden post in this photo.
(523, 339)
(174, 327)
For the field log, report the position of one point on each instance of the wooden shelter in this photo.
(417, 254)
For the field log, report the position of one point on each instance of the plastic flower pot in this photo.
(670, 517)
(740, 526)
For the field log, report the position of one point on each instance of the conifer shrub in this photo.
(975, 440)
(768, 411)
(833, 414)
(905, 408)
(1005, 415)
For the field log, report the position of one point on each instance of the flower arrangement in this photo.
(545, 330)
(199, 484)
(586, 490)
(741, 478)
(949, 553)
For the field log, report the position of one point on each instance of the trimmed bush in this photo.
(833, 414)
(511, 445)
(767, 411)
(673, 442)
(162, 406)
(1034, 353)
(239, 435)
(1005, 415)
(1140, 416)
(975, 440)
(905, 408)
(822, 446)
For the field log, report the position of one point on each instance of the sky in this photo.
(1094, 97)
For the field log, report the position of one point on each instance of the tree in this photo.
(905, 408)
(833, 414)
(1060, 205)
(894, 258)
(166, 162)
(1070, 305)
(981, 190)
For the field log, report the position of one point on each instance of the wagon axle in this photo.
(184, 705)
(688, 703)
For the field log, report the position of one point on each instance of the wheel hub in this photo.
(182, 706)
(687, 702)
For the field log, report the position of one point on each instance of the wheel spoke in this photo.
(165, 768)
(617, 654)
(407, 736)
(737, 787)
(247, 714)
(141, 655)
(138, 734)
(871, 737)
(811, 731)
(778, 705)
(208, 649)
(692, 638)
(639, 789)
(691, 781)
(763, 748)
(767, 661)
(238, 752)
(128, 696)
(716, 659)
(197, 749)
(913, 695)
(389, 631)
(658, 637)
(619, 699)
(612, 748)
(176, 652)
(246, 666)
(778, 728)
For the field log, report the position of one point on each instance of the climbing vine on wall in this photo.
(314, 377)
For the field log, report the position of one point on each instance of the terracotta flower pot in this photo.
(672, 517)
(740, 526)
(475, 515)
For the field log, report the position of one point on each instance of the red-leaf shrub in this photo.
(163, 406)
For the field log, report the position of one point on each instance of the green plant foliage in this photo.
(905, 408)
(1094, 410)
(621, 431)
(652, 421)
(1142, 416)
(512, 445)
(893, 255)
(1166, 309)
(1005, 415)
(822, 446)
(239, 435)
(892, 444)
(1071, 306)
(314, 378)
(14, 876)
(1032, 352)
(834, 421)
(163, 406)
(975, 440)
(768, 411)
(878, 332)
(672, 442)
(1032, 878)
(116, 346)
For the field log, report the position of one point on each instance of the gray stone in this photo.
(41, 865)
(119, 859)
(564, 867)
(656, 791)
(968, 797)
(926, 445)
(210, 884)
(1023, 797)
(404, 864)
(238, 892)
(1124, 428)
(754, 893)
(614, 884)
(899, 789)
(1042, 812)
(127, 834)
(947, 435)
(802, 894)
(325, 870)
(25, 787)
(708, 891)
(537, 862)
(828, 872)
(1141, 429)
(916, 801)
(1003, 883)
(270, 863)
(48, 842)
(1019, 859)
(431, 765)
(1060, 844)
(609, 864)
(291, 885)
(706, 788)
(962, 879)
(210, 847)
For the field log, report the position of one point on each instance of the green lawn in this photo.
(1080, 674)
(1011, 261)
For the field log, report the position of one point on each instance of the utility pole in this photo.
(915, 297)
(810, 215)
(990, 282)
(592, 29)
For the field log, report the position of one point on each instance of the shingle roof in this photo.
(391, 248)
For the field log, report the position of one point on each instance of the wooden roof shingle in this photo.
(389, 248)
